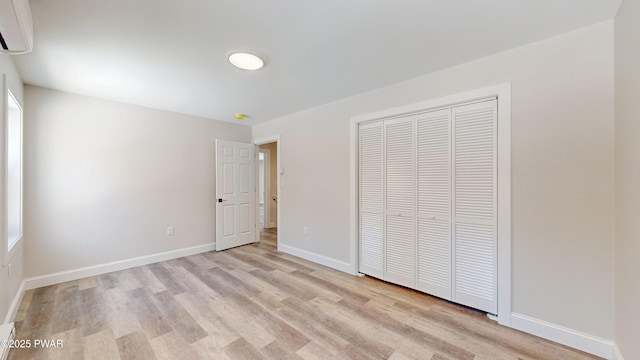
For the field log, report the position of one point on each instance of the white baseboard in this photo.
(569, 337)
(7, 333)
(617, 355)
(15, 304)
(75, 274)
(316, 258)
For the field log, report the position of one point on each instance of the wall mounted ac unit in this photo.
(16, 27)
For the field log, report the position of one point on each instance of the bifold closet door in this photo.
(400, 244)
(434, 198)
(428, 202)
(474, 205)
(371, 199)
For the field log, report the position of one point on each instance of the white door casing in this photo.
(279, 185)
(235, 194)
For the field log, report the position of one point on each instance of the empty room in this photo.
(360, 179)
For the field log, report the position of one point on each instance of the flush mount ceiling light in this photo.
(246, 61)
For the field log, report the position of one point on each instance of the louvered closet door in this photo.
(400, 198)
(371, 199)
(434, 218)
(474, 205)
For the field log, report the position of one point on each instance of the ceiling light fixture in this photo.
(246, 61)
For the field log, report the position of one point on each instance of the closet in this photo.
(428, 202)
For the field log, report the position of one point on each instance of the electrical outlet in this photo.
(170, 231)
(305, 231)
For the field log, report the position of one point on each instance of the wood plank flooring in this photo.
(253, 302)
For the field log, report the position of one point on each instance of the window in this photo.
(14, 171)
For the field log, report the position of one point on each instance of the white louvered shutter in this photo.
(400, 199)
(434, 218)
(371, 199)
(474, 205)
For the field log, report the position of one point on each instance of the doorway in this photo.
(268, 189)
(264, 188)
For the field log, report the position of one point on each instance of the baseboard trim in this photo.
(75, 274)
(15, 304)
(617, 355)
(316, 258)
(565, 336)
(7, 333)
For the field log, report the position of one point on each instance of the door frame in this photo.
(267, 186)
(503, 93)
(265, 140)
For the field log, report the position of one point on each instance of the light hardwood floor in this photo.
(252, 302)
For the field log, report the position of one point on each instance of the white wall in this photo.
(562, 171)
(627, 65)
(103, 180)
(11, 274)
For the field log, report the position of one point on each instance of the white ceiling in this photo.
(172, 55)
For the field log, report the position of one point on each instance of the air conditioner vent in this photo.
(16, 27)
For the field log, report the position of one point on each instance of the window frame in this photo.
(12, 245)
(9, 250)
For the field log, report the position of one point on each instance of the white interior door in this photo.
(475, 206)
(235, 194)
(400, 244)
(434, 203)
(371, 177)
